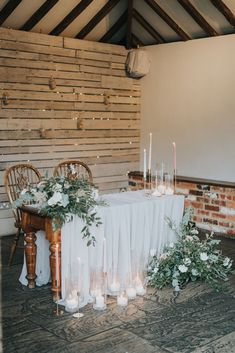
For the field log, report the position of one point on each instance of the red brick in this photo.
(197, 219)
(218, 202)
(212, 208)
(185, 185)
(230, 204)
(211, 221)
(224, 224)
(202, 212)
(203, 199)
(218, 215)
(197, 204)
(218, 189)
(195, 192)
(231, 231)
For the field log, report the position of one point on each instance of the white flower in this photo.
(163, 256)
(226, 261)
(171, 245)
(55, 199)
(155, 270)
(203, 256)
(65, 200)
(80, 193)
(175, 282)
(57, 187)
(194, 231)
(183, 268)
(72, 169)
(40, 196)
(194, 272)
(189, 238)
(177, 288)
(187, 261)
(213, 257)
(41, 185)
(152, 252)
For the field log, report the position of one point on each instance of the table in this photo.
(32, 222)
(132, 224)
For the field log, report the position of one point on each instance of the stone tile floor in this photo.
(199, 320)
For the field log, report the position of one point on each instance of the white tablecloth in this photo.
(132, 224)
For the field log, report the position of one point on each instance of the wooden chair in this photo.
(73, 169)
(17, 178)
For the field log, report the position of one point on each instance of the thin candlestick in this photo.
(150, 151)
(174, 164)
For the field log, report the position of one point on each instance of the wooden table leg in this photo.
(30, 255)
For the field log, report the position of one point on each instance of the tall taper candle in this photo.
(150, 152)
(57, 266)
(145, 171)
(104, 256)
(174, 157)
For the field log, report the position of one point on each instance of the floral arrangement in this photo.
(189, 259)
(61, 197)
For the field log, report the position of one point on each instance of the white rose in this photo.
(171, 245)
(183, 268)
(203, 256)
(55, 199)
(175, 282)
(189, 238)
(39, 196)
(155, 270)
(226, 261)
(194, 231)
(23, 191)
(195, 272)
(187, 261)
(57, 187)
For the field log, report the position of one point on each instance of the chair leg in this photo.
(14, 245)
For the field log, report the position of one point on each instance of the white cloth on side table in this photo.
(132, 224)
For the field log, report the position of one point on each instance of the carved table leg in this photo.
(30, 255)
(55, 264)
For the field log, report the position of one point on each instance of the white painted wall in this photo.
(189, 97)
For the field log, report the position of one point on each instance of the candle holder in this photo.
(77, 314)
(100, 291)
(122, 299)
(57, 311)
(169, 187)
(140, 283)
(113, 283)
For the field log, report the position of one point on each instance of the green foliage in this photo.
(189, 259)
(61, 198)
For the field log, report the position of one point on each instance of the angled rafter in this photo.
(160, 12)
(193, 12)
(38, 15)
(73, 14)
(97, 18)
(115, 28)
(8, 9)
(226, 12)
(129, 24)
(148, 27)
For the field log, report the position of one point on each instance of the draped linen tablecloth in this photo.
(132, 224)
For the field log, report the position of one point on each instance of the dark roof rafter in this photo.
(165, 17)
(115, 28)
(72, 15)
(193, 12)
(97, 18)
(226, 12)
(129, 23)
(39, 14)
(8, 9)
(152, 31)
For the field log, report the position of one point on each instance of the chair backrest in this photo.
(17, 178)
(73, 169)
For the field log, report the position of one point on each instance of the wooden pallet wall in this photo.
(64, 98)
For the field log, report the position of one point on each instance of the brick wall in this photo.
(213, 203)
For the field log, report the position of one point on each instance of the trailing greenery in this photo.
(189, 259)
(61, 198)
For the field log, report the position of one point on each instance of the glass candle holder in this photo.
(140, 283)
(169, 187)
(122, 299)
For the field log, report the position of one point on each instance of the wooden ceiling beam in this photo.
(166, 18)
(226, 12)
(193, 12)
(72, 15)
(152, 31)
(97, 18)
(38, 15)
(8, 9)
(129, 24)
(115, 28)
